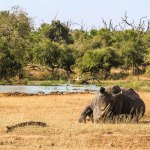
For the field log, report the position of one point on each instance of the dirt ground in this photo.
(61, 113)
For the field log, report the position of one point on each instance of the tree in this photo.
(105, 36)
(100, 59)
(81, 41)
(15, 27)
(57, 32)
(47, 53)
(131, 48)
(133, 55)
(67, 59)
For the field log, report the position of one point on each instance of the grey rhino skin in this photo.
(114, 101)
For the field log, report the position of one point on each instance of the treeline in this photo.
(56, 45)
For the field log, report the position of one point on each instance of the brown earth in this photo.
(61, 112)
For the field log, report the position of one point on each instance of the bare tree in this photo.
(109, 25)
(82, 25)
(143, 25)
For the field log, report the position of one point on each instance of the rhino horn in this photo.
(106, 111)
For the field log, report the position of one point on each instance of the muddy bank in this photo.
(44, 94)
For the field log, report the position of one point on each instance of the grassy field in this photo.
(61, 112)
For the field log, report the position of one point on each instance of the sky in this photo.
(89, 13)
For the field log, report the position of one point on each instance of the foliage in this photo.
(57, 32)
(100, 59)
(133, 55)
(15, 28)
(57, 46)
(67, 59)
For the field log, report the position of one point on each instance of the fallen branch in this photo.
(23, 124)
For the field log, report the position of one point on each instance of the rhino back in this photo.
(129, 102)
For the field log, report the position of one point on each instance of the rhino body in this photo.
(112, 102)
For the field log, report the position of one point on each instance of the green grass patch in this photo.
(137, 85)
(47, 83)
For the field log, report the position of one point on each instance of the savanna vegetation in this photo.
(61, 113)
(63, 53)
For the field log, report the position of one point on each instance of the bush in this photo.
(117, 76)
(57, 74)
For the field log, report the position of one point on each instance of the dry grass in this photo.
(61, 112)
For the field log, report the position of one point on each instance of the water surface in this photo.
(47, 89)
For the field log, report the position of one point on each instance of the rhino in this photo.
(113, 102)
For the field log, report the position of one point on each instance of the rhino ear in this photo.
(102, 90)
(116, 89)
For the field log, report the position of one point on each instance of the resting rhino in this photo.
(114, 101)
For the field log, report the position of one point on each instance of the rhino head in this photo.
(104, 102)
